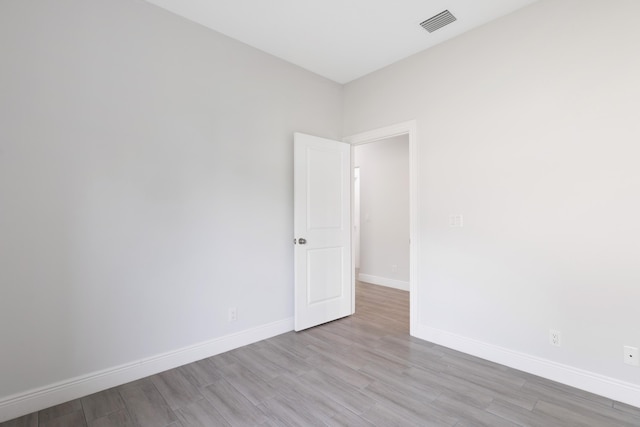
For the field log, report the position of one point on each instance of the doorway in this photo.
(406, 130)
(381, 212)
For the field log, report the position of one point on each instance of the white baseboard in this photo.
(611, 388)
(74, 388)
(383, 281)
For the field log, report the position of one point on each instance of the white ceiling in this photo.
(339, 39)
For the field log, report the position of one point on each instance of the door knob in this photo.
(302, 241)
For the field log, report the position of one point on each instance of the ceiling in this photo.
(339, 39)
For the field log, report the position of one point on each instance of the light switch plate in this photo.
(456, 220)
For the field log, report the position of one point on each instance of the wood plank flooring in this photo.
(364, 370)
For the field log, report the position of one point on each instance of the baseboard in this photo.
(74, 388)
(383, 281)
(611, 388)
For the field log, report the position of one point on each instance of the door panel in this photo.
(324, 275)
(322, 218)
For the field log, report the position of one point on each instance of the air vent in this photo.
(438, 21)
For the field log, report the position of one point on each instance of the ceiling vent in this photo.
(438, 21)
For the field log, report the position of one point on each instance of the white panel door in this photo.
(322, 226)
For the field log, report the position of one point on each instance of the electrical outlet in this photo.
(631, 356)
(555, 337)
(233, 314)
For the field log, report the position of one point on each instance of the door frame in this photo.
(405, 128)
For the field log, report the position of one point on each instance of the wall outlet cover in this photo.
(631, 356)
(233, 314)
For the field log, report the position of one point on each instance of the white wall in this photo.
(384, 211)
(529, 127)
(145, 185)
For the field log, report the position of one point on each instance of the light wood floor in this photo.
(359, 371)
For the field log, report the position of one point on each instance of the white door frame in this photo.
(355, 214)
(405, 128)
